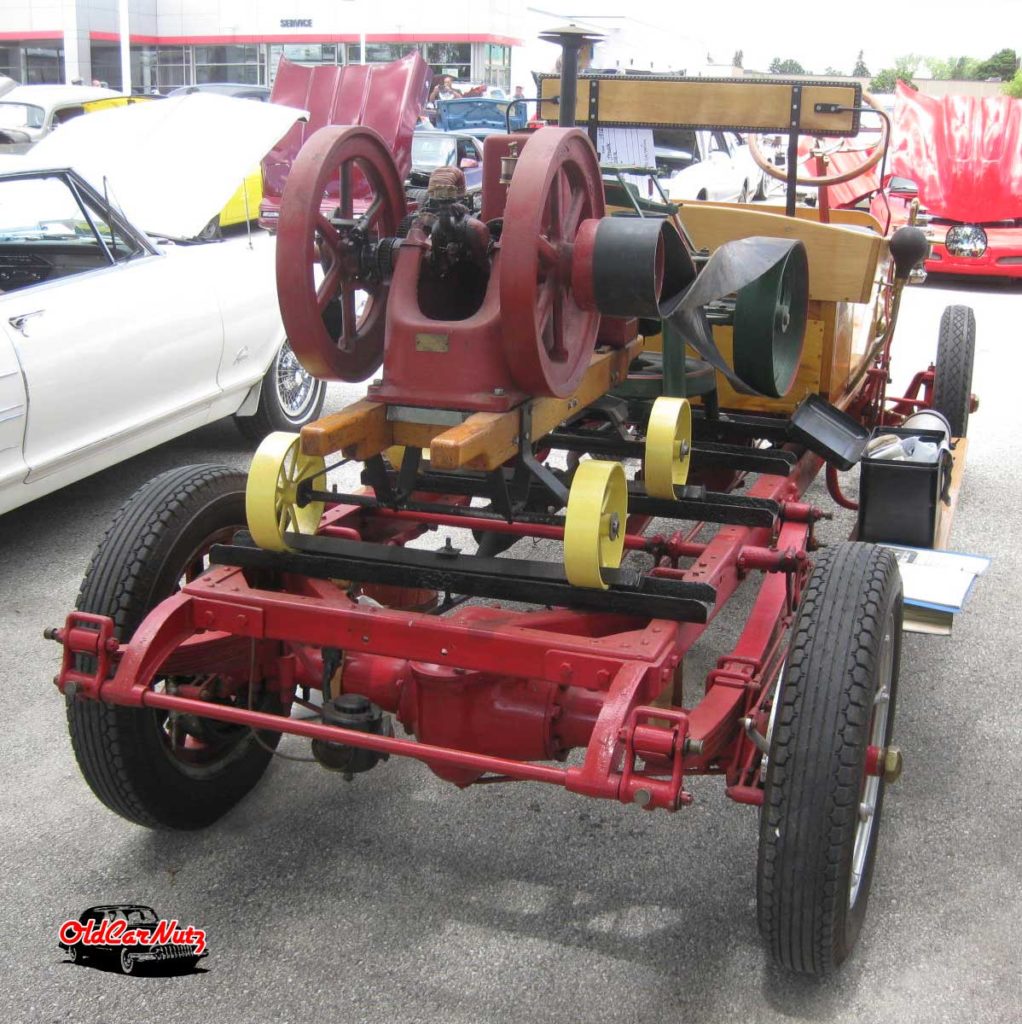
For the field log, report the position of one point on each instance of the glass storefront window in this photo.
(226, 55)
(44, 64)
(232, 63)
(10, 62)
(380, 53)
(497, 68)
(448, 53)
(173, 67)
(106, 64)
(306, 53)
(173, 55)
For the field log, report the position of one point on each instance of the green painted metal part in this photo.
(770, 325)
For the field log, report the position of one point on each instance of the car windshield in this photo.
(42, 211)
(21, 115)
(141, 916)
(430, 151)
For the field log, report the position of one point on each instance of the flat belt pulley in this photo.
(769, 278)
(563, 263)
(770, 325)
(631, 266)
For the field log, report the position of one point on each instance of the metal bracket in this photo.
(375, 475)
(593, 115)
(793, 127)
(536, 469)
(408, 472)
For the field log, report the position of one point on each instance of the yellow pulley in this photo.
(594, 528)
(668, 447)
(271, 494)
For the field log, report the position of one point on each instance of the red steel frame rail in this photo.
(592, 678)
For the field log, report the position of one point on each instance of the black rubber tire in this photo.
(816, 767)
(272, 414)
(212, 232)
(956, 352)
(121, 752)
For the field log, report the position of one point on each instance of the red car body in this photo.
(964, 155)
(385, 97)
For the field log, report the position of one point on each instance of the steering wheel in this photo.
(829, 179)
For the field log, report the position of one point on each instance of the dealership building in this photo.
(181, 42)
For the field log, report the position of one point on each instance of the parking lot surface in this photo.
(399, 898)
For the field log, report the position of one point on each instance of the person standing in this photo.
(444, 90)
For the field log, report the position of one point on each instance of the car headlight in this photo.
(966, 240)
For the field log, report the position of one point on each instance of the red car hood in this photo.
(385, 97)
(964, 153)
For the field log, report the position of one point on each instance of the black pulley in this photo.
(770, 325)
(631, 266)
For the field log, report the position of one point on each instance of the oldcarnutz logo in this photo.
(120, 933)
(131, 936)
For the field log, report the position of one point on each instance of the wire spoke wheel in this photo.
(296, 387)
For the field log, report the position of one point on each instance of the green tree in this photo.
(884, 80)
(903, 70)
(786, 67)
(860, 70)
(828, 70)
(907, 66)
(736, 60)
(1014, 87)
(1002, 65)
(957, 68)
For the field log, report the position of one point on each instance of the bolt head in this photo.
(893, 764)
(614, 527)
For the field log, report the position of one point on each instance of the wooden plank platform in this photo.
(484, 441)
(946, 513)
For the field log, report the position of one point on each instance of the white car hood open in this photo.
(170, 165)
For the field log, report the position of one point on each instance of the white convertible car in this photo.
(117, 330)
(707, 165)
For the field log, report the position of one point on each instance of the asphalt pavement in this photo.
(399, 898)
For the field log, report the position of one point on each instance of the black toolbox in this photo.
(899, 501)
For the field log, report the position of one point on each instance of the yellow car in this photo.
(244, 204)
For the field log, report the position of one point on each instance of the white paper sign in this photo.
(627, 147)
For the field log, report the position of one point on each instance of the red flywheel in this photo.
(342, 195)
(547, 337)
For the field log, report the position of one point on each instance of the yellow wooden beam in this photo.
(755, 105)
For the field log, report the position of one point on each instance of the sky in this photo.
(814, 34)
